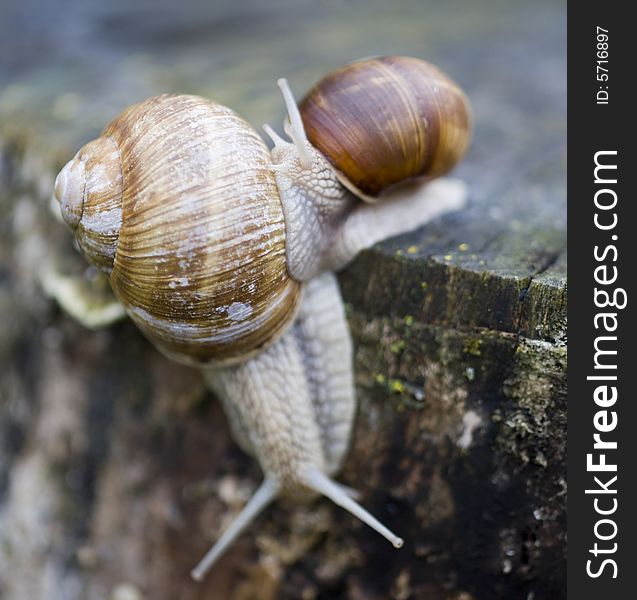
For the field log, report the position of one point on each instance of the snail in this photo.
(223, 252)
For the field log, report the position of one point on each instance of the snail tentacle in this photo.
(322, 484)
(264, 495)
(296, 131)
(277, 140)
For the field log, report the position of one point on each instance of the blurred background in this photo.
(116, 466)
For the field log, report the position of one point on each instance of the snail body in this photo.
(222, 253)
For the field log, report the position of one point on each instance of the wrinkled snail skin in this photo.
(298, 445)
(402, 209)
(315, 206)
(318, 367)
(222, 253)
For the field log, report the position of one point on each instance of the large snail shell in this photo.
(383, 120)
(177, 201)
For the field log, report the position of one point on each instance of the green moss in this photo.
(396, 386)
(473, 346)
(397, 347)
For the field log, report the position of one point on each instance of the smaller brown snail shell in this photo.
(384, 120)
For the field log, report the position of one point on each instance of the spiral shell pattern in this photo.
(199, 258)
(381, 121)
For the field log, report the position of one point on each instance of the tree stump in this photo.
(117, 469)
